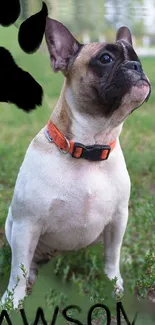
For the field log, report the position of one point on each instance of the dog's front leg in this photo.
(113, 237)
(24, 239)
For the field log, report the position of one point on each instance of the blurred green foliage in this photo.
(98, 18)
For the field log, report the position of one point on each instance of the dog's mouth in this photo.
(143, 91)
(146, 81)
(145, 86)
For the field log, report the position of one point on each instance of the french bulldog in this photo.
(73, 187)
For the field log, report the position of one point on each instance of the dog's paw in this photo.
(11, 300)
(118, 291)
(117, 282)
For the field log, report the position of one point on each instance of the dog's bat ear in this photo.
(32, 30)
(124, 34)
(61, 44)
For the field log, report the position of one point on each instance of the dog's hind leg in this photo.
(41, 256)
(32, 276)
(24, 238)
(34, 272)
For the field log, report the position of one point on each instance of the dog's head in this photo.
(105, 79)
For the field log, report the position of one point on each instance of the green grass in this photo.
(138, 143)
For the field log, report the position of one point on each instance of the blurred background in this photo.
(98, 20)
(78, 277)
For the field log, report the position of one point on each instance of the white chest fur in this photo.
(72, 199)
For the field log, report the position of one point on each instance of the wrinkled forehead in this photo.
(119, 49)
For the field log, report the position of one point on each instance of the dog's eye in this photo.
(105, 58)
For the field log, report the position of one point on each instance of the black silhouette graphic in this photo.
(9, 12)
(16, 86)
(31, 31)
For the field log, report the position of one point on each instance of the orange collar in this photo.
(78, 150)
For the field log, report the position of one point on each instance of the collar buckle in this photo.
(93, 152)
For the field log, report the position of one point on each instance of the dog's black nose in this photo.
(134, 65)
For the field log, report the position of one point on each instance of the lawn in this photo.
(138, 143)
